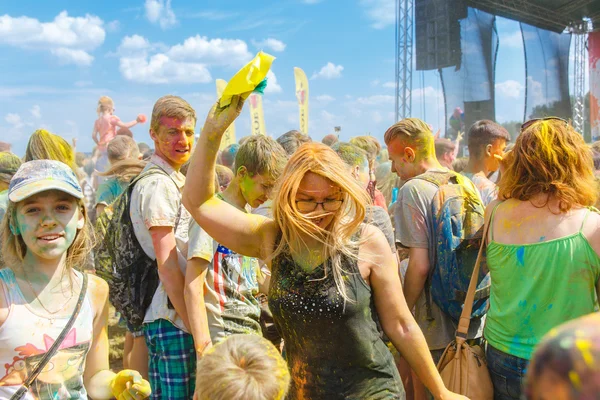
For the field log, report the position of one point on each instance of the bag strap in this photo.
(54, 348)
(465, 315)
(156, 169)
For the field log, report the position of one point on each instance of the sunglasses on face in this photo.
(310, 206)
(527, 124)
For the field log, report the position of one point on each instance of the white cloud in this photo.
(160, 12)
(390, 85)
(325, 99)
(512, 40)
(428, 92)
(382, 13)
(145, 62)
(233, 52)
(272, 85)
(133, 43)
(159, 68)
(270, 44)
(329, 71)
(73, 56)
(535, 92)
(68, 38)
(14, 120)
(510, 88)
(36, 112)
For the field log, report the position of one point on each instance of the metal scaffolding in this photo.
(404, 58)
(579, 31)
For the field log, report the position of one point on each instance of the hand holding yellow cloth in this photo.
(247, 79)
(129, 385)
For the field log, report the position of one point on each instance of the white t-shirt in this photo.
(156, 201)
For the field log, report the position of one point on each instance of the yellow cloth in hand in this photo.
(247, 78)
(129, 384)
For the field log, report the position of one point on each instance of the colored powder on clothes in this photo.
(521, 256)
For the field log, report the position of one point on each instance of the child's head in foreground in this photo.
(242, 366)
(566, 364)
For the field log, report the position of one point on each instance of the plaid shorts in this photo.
(171, 361)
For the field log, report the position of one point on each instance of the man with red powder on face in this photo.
(160, 224)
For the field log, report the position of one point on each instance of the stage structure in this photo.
(404, 53)
(458, 39)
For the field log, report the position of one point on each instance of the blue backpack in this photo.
(457, 229)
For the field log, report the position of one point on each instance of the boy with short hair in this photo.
(445, 152)
(487, 143)
(220, 285)
(160, 224)
(245, 367)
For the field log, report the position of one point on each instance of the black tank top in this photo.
(332, 352)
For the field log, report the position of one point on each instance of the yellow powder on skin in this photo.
(584, 346)
(575, 380)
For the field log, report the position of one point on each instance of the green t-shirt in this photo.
(536, 287)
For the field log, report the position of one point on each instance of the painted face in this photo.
(48, 223)
(174, 140)
(314, 188)
(401, 165)
(497, 149)
(256, 189)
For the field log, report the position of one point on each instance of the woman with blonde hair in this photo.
(44, 145)
(543, 247)
(328, 270)
(105, 129)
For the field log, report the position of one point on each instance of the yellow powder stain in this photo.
(584, 347)
(575, 380)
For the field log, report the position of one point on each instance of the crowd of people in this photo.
(290, 268)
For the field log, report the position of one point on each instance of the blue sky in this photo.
(58, 58)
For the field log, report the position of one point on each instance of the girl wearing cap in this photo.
(45, 237)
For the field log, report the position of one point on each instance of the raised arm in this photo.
(127, 125)
(395, 317)
(243, 233)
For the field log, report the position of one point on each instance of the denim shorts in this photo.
(507, 373)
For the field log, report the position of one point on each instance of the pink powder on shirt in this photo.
(106, 126)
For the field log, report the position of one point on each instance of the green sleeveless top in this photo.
(536, 287)
(334, 350)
